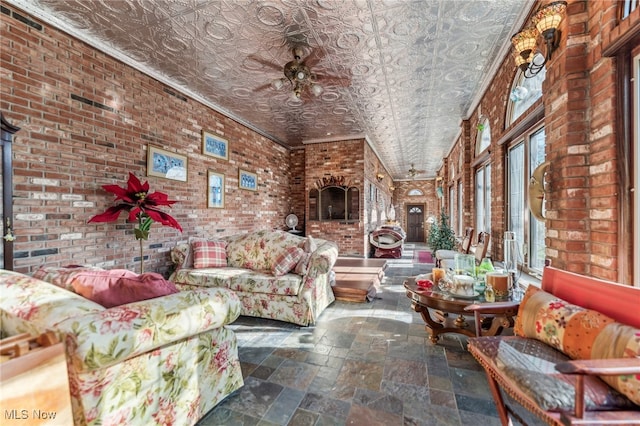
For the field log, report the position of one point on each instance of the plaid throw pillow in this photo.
(209, 254)
(287, 261)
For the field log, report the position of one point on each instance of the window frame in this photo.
(483, 212)
(635, 196)
(525, 247)
(519, 80)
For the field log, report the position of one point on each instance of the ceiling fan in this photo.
(413, 172)
(298, 75)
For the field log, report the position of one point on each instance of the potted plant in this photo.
(441, 236)
(142, 207)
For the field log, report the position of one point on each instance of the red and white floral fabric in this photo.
(298, 296)
(167, 360)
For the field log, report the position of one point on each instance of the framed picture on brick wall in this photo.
(165, 164)
(214, 145)
(215, 190)
(247, 180)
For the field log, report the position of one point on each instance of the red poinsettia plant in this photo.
(142, 207)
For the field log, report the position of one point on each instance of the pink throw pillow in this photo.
(134, 289)
(119, 286)
(89, 283)
(287, 261)
(209, 254)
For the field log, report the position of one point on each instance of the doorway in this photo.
(415, 223)
(6, 187)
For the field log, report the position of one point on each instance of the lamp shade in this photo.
(549, 17)
(525, 41)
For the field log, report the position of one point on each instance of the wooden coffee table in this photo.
(445, 313)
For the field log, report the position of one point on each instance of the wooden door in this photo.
(415, 223)
(6, 189)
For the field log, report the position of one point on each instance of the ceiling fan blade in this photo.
(313, 58)
(263, 87)
(263, 62)
(334, 81)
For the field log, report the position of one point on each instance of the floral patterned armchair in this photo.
(167, 360)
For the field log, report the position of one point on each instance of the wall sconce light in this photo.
(545, 22)
(392, 188)
(380, 177)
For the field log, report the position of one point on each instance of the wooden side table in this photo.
(436, 307)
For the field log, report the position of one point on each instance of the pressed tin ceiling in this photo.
(402, 73)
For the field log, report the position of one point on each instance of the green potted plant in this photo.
(441, 236)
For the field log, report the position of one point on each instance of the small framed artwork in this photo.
(247, 180)
(215, 190)
(165, 164)
(214, 145)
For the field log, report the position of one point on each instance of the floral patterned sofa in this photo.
(276, 274)
(167, 360)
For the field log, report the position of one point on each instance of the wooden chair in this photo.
(463, 248)
(482, 246)
(616, 301)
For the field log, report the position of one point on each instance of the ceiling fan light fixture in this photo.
(316, 89)
(277, 83)
(299, 75)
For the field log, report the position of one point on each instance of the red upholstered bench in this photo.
(571, 336)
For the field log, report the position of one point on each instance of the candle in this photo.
(438, 274)
(500, 283)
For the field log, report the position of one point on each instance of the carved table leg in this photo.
(433, 327)
(461, 322)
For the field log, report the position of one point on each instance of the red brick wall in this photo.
(429, 200)
(337, 159)
(298, 191)
(87, 120)
(579, 114)
(68, 148)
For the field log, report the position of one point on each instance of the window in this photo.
(628, 7)
(483, 199)
(524, 93)
(523, 157)
(635, 202)
(452, 208)
(460, 204)
(415, 193)
(484, 136)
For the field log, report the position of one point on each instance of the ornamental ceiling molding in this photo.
(415, 69)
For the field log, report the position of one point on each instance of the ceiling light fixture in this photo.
(299, 76)
(545, 22)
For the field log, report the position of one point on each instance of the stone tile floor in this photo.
(361, 364)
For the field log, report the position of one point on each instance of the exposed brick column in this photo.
(579, 115)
